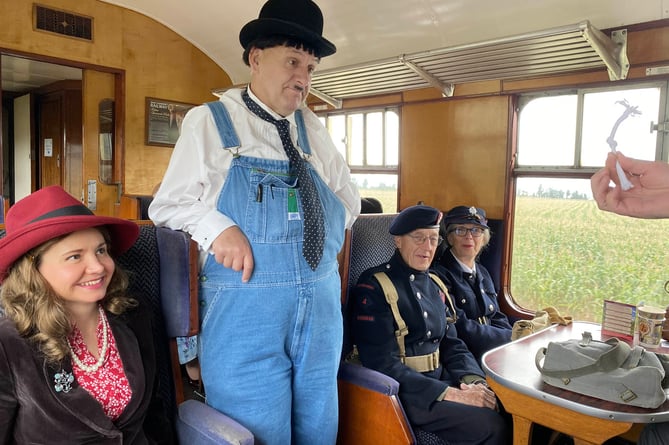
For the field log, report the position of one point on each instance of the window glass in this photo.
(570, 255)
(381, 187)
(374, 138)
(369, 141)
(392, 138)
(632, 136)
(549, 130)
(337, 127)
(566, 252)
(356, 137)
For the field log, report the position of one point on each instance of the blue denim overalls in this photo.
(270, 348)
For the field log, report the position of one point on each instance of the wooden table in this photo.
(512, 374)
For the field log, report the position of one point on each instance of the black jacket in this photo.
(421, 305)
(33, 412)
(483, 325)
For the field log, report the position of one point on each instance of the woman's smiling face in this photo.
(78, 267)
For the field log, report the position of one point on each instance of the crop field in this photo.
(569, 254)
(388, 197)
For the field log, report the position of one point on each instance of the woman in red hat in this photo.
(76, 355)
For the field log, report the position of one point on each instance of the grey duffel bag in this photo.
(609, 370)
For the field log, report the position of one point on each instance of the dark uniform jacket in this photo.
(483, 326)
(421, 304)
(33, 412)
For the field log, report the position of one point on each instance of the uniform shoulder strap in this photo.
(391, 295)
(224, 125)
(443, 288)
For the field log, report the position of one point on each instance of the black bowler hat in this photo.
(301, 19)
(466, 215)
(415, 217)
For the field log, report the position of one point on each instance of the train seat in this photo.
(162, 268)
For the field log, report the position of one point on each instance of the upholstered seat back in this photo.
(370, 245)
(141, 262)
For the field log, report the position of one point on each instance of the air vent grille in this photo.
(63, 23)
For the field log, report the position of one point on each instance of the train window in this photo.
(566, 252)
(369, 141)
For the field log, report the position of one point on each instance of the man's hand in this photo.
(649, 196)
(232, 249)
(474, 395)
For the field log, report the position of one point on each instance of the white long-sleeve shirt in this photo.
(186, 199)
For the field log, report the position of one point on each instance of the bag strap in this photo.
(608, 361)
(448, 301)
(392, 297)
(390, 292)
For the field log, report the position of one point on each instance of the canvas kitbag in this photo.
(609, 370)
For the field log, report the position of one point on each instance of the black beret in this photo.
(466, 215)
(415, 217)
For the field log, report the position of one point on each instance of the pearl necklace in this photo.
(103, 350)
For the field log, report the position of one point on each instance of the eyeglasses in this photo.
(462, 231)
(420, 239)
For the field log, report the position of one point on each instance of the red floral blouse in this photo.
(108, 384)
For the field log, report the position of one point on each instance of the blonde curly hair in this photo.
(39, 314)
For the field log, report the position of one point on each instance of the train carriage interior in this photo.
(506, 106)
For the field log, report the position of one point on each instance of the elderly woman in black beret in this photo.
(483, 325)
(442, 387)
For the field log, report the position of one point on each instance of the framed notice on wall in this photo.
(163, 121)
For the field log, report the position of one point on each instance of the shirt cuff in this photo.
(473, 379)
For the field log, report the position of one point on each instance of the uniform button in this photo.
(463, 301)
(425, 314)
(418, 295)
(412, 277)
(491, 308)
(428, 334)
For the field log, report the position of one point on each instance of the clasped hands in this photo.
(473, 394)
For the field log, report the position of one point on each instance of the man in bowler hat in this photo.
(258, 183)
(404, 326)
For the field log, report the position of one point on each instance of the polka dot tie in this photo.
(314, 232)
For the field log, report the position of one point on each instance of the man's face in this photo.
(418, 247)
(281, 77)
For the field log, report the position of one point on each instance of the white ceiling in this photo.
(369, 30)
(363, 30)
(21, 75)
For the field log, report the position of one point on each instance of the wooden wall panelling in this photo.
(457, 151)
(96, 87)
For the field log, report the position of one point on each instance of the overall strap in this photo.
(302, 139)
(224, 124)
(391, 295)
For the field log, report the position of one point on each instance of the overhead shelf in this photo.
(554, 51)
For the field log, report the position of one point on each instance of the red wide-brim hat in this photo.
(52, 212)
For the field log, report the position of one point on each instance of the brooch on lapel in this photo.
(63, 381)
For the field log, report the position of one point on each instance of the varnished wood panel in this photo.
(97, 86)
(367, 417)
(156, 61)
(454, 152)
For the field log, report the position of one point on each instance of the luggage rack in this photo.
(558, 50)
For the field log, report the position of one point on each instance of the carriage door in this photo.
(60, 138)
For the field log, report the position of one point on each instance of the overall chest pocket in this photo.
(273, 211)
